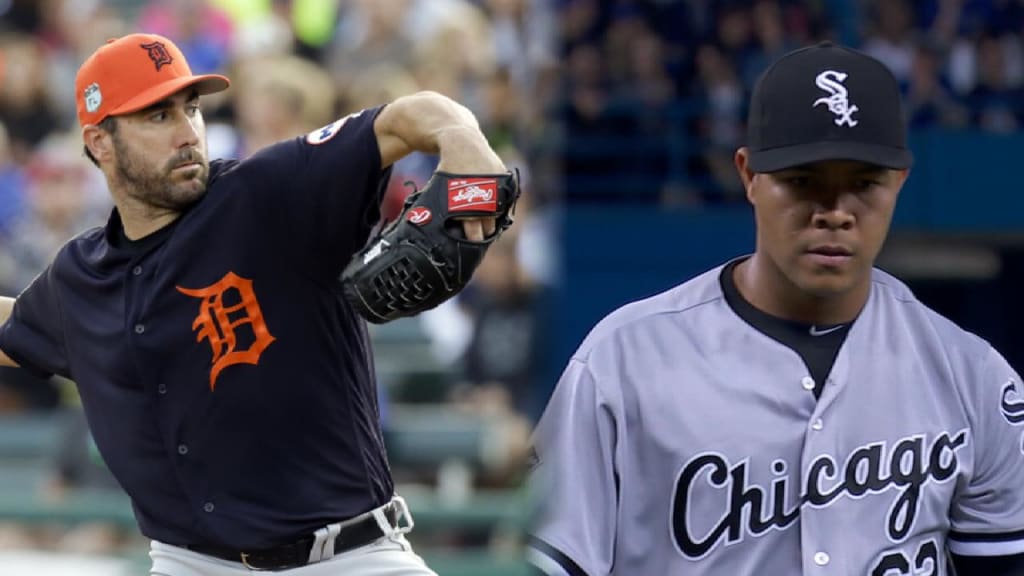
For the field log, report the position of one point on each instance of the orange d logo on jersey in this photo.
(217, 323)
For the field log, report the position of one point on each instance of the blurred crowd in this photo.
(295, 66)
(672, 79)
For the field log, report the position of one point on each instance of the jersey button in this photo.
(208, 507)
(139, 328)
(137, 270)
(818, 424)
(821, 558)
(182, 449)
(807, 382)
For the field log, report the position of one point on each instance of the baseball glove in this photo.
(423, 258)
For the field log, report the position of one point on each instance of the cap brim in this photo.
(203, 83)
(775, 159)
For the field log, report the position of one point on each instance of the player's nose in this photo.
(832, 218)
(832, 209)
(187, 132)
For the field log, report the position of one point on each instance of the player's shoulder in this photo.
(88, 246)
(84, 243)
(252, 170)
(897, 297)
(651, 313)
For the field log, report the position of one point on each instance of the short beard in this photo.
(154, 189)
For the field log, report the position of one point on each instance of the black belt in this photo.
(295, 554)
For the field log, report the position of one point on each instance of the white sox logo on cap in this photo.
(839, 102)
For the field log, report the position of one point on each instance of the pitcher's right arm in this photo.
(6, 305)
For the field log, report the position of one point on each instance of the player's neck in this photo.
(141, 220)
(766, 288)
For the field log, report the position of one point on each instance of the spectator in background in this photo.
(892, 38)
(584, 108)
(503, 347)
(24, 95)
(995, 104)
(202, 31)
(371, 33)
(62, 199)
(503, 108)
(453, 48)
(772, 41)
(278, 98)
(579, 23)
(734, 32)
(641, 92)
(721, 101)
(12, 188)
(523, 33)
(929, 100)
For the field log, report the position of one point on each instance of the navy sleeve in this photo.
(327, 185)
(34, 335)
(989, 565)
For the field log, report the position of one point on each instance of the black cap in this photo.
(826, 102)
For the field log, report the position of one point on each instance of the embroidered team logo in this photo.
(157, 52)
(473, 194)
(839, 100)
(218, 322)
(93, 97)
(321, 135)
(1011, 406)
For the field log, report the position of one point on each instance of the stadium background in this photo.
(653, 107)
(623, 115)
(454, 384)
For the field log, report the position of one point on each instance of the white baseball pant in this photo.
(390, 555)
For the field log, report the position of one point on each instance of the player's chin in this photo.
(829, 282)
(186, 193)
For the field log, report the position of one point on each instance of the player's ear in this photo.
(99, 142)
(742, 161)
(901, 178)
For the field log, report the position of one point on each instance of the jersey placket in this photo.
(820, 555)
(141, 297)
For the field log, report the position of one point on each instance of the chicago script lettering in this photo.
(868, 470)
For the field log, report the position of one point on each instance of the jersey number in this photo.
(926, 562)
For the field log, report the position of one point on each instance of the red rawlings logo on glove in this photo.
(473, 194)
(419, 215)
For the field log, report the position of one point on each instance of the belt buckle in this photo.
(245, 562)
(401, 509)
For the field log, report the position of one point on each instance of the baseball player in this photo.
(794, 411)
(228, 384)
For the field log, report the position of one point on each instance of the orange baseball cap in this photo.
(130, 73)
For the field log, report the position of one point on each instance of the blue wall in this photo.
(964, 182)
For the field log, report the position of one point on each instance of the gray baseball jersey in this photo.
(681, 440)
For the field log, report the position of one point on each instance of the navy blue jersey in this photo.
(226, 381)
